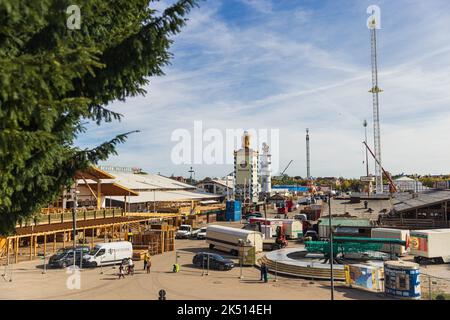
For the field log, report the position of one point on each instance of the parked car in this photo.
(304, 202)
(311, 235)
(201, 235)
(253, 215)
(184, 232)
(301, 217)
(215, 261)
(64, 257)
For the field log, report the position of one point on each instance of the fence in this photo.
(66, 216)
(434, 288)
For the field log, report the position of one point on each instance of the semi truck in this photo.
(430, 245)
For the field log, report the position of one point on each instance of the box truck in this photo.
(109, 253)
(397, 249)
(268, 226)
(231, 239)
(432, 245)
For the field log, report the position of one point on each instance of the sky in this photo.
(288, 65)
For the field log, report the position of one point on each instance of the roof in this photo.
(169, 196)
(141, 182)
(111, 189)
(346, 222)
(93, 173)
(405, 201)
(277, 196)
(404, 178)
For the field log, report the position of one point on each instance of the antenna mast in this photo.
(376, 110)
(308, 168)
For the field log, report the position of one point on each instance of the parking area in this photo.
(29, 282)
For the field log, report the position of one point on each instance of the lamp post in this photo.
(74, 220)
(331, 247)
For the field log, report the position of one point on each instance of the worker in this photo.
(145, 261)
(366, 204)
(130, 235)
(149, 265)
(176, 268)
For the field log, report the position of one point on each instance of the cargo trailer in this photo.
(432, 245)
(403, 235)
(231, 239)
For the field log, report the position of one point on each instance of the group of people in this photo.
(130, 266)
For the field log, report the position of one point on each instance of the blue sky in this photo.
(292, 65)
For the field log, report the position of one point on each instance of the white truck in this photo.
(184, 232)
(432, 245)
(109, 253)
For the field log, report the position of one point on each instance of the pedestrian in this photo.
(145, 261)
(263, 266)
(121, 272)
(130, 266)
(149, 265)
(266, 271)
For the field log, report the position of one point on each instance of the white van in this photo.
(228, 239)
(108, 253)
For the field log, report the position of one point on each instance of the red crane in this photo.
(388, 176)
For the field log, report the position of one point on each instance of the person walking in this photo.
(266, 271)
(121, 272)
(145, 261)
(261, 269)
(130, 266)
(149, 265)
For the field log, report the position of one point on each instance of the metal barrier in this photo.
(434, 288)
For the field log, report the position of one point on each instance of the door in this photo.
(100, 256)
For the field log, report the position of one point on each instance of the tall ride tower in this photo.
(308, 168)
(376, 110)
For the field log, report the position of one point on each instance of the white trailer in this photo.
(293, 229)
(431, 245)
(229, 239)
(268, 225)
(391, 234)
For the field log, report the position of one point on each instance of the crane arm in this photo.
(394, 188)
(287, 167)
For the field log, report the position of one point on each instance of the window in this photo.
(101, 252)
